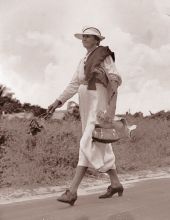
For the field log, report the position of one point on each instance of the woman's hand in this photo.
(52, 107)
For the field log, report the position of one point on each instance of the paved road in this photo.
(148, 200)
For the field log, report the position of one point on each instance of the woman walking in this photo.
(96, 81)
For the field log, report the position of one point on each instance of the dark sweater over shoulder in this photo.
(93, 61)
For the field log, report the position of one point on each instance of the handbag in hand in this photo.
(104, 135)
(104, 131)
(108, 130)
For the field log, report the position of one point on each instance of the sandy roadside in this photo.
(87, 187)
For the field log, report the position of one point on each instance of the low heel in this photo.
(111, 191)
(72, 202)
(120, 193)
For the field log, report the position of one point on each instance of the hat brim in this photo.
(80, 36)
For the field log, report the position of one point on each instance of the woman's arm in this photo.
(115, 81)
(111, 71)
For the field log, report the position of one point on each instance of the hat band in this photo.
(92, 28)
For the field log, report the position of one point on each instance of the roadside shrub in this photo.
(43, 159)
(150, 147)
(52, 155)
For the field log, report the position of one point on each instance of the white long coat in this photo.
(92, 154)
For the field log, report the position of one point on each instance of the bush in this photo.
(43, 159)
(52, 155)
(150, 147)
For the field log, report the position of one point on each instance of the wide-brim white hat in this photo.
(89, 31)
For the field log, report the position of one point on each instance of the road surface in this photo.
(146, 200)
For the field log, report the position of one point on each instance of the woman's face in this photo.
(89, 41)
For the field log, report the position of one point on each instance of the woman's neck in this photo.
(89, 50)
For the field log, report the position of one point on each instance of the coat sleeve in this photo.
(115, 80)
(71, 89)
(111, 71)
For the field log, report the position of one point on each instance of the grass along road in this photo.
(88, 186)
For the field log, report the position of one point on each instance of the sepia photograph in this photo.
(84, 110)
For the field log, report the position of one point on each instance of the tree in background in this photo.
(9, 104)
(5, 98)
(37, 110)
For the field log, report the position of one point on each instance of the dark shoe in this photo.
(111, 191)
(68, 197)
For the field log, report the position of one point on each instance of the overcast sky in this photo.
(39, 53)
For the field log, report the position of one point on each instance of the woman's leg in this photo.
(113, 178)
(116, 186)
(80, 172)
(70, 195)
